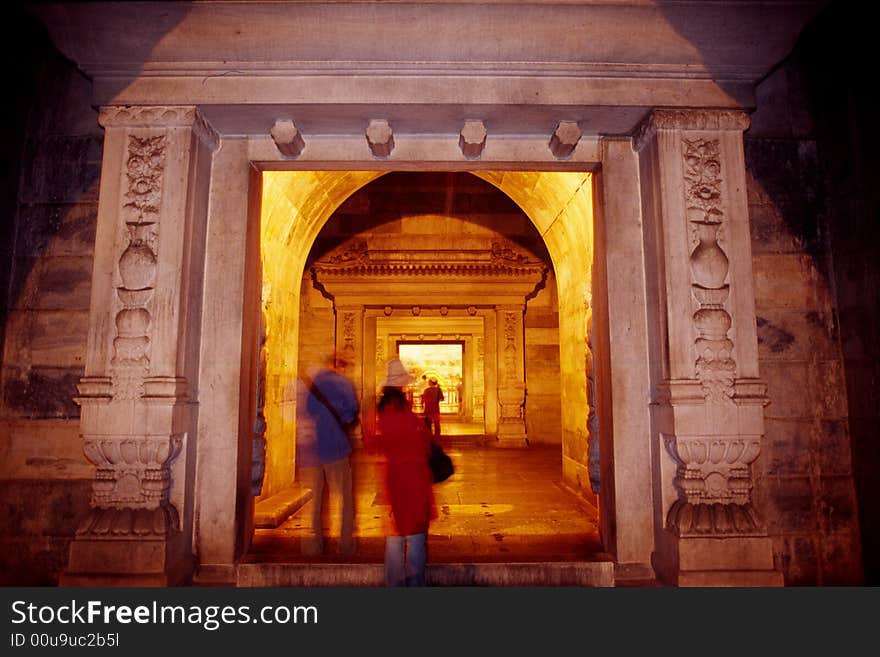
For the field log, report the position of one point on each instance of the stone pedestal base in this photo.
(125, 562)
(512, 434)
(741, 561)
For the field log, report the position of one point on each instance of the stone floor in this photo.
(503, 506)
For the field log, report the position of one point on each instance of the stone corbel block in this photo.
(565, 138)
(472, 139)
(287, 138)
(380, 137)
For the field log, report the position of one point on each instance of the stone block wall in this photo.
(49, 204)
(807, 474)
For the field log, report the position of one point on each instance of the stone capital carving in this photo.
(688, 119)
(160, 116)
(147, 116)
(714, 483)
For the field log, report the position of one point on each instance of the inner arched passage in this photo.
(295, 207)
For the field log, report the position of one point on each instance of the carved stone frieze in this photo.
(511, 354)
(356, 258)
(147, 116)
(688, 119)
(349, 334)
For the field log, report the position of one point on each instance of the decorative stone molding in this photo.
(160, 116)
(564, 139)
(380, 138)
(511, 326)
(472, 139)
(357, 259)
(688, 119)
(354, 253)
(349, 334)
(714, 484)
(287, 138)
(130, 493)
(127, 523)
(147, 116)
(715, 367)
(138, 264)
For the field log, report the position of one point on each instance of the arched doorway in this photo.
(363, 289)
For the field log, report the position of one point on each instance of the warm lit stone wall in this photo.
(445, 211)
(51, 165)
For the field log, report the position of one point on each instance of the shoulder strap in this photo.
(323, 399)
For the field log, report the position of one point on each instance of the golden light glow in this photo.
(297, 204)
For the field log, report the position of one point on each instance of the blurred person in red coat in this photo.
(405, 442)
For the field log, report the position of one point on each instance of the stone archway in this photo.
(559, 204)
(167, 404)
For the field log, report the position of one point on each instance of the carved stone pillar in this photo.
(138, 394)
(350, 347)
(709, 417)
(511, 375)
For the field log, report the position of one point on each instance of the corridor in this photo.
(502, 505)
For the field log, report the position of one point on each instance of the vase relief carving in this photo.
(137, 265)
(714, 367)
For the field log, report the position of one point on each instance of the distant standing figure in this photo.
(431, 398)
(404, 440)
(325, 448)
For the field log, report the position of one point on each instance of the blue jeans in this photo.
(405, 558)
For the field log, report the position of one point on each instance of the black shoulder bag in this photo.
(441, 465)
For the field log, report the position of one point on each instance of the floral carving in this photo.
(138, 265)
(714, 484)
(715, 366)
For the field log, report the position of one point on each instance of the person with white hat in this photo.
(405, 441)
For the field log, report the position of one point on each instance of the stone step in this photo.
(574, 573)
(273, 511)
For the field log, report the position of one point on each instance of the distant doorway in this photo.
(443, 361)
